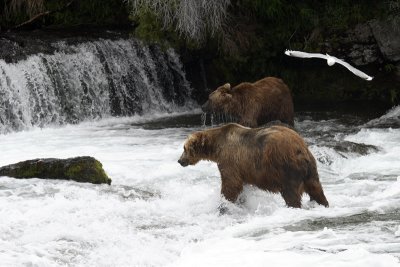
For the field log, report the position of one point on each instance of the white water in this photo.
(157, 213)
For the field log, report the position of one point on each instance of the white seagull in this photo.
(330, 60)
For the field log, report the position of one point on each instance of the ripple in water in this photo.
(157, 213)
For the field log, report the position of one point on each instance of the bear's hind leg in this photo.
(292, 197)
(292, 187)
(314, 189)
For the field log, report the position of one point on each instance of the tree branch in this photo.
(40, 15)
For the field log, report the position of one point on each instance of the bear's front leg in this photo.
(249, 119)
(232, 185)
(231, 190)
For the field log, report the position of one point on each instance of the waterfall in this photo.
(90, 80)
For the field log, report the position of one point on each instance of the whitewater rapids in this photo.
(157, 213)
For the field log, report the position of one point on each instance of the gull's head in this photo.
(330, 60)
(369, 78)
(287, 52)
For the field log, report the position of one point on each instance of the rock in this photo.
(358, 148)
(398, 71)
(79, 169)
(363, 54)
(387, 37)
(9, 50)
(389, 120)
(361, 34)
(16, 46)
(359, 45)
(375, 42)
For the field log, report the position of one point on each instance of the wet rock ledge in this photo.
(79, 169)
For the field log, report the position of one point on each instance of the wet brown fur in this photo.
(255, 103)
(275, 159)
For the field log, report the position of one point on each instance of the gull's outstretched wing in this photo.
(304, 54)
(357, 72)
(331, 60)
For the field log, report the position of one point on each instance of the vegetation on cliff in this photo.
(32, 14)
(250, 37)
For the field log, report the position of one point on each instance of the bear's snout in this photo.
(206, 106)
(184, 163)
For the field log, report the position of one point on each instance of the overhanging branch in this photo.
(43, 14)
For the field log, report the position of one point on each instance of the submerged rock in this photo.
(390, 120)
(79, 169)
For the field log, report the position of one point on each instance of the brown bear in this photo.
(274, 158)
(254, 104)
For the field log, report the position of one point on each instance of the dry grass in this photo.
(192, 19)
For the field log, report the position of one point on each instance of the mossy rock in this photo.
(79, 169)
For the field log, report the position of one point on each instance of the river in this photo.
(157, 213)
(129, 105)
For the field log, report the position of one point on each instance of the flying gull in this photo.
(330, 60)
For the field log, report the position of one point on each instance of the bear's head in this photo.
(194, 149)
(220, 100)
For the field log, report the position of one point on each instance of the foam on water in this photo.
(390, 119)
(157, 213)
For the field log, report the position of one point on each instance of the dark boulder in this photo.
(373, 42)
(79, 169)
(386, 34)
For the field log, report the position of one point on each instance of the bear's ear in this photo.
(227, 86)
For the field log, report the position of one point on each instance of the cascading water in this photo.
(90, 80)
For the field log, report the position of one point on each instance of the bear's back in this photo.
(282, 143)
(266, 84)
(276, 135)
(281, 134)
(266, 100)
(270, 90)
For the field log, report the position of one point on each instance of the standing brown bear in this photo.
(274, 159)
(255, 103)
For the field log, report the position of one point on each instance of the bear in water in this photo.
(274, 158)
(255, 103)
